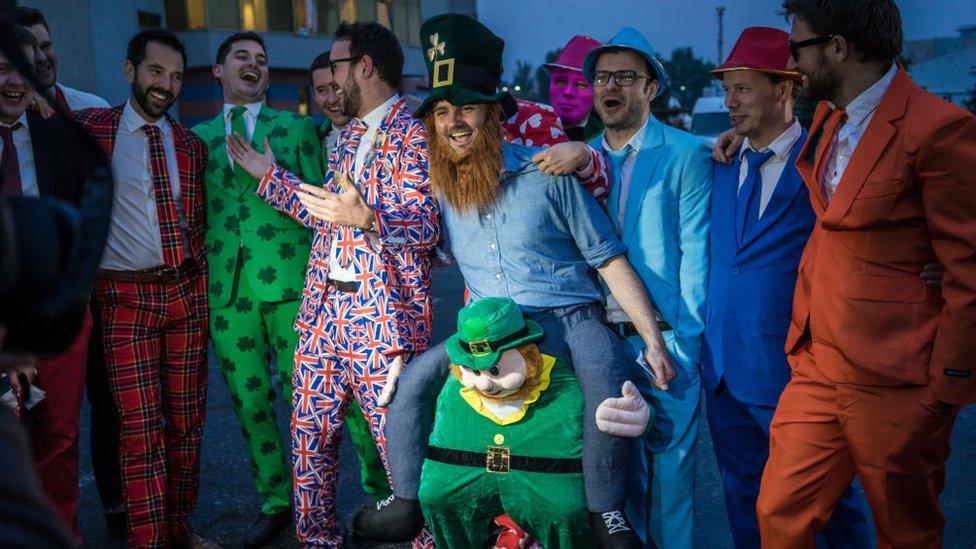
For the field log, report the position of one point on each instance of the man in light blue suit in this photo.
(659, 200)
(761, 219)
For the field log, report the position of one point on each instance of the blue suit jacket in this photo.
(750, 288)
(665, 230)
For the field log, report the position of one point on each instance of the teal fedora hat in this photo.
(628, 38)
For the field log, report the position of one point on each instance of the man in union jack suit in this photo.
(366, 306)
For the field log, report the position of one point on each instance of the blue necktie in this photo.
(616, 160)
(747, 206)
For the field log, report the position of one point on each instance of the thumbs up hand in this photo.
(625, 416)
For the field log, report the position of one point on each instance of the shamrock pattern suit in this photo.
(256, 256)
(348, 339)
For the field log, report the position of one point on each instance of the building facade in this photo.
(90, 38)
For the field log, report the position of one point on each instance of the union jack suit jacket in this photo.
(191, 157)
(393, 266)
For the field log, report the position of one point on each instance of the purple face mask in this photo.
(571, 95)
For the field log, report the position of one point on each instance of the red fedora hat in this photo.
(572, 55)
(759, 49)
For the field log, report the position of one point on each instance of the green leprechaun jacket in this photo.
(271, 248)
(545, 497)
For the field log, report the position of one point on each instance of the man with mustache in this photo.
(659, 203)
(151, 293)
(257, 261)
(761, 219)
(515, 232)
(366, 307)
(880, 363)
(46, 64)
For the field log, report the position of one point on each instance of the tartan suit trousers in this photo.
(155, 345)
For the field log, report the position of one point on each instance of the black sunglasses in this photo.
(796, 46)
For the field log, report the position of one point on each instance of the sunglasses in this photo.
(796, 46)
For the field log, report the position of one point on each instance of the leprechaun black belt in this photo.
(498, 459)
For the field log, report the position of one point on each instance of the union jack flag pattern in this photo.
(347, 340)
(538, 125)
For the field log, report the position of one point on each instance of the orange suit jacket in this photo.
(907, 198)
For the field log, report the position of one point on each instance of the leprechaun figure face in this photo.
(502, 380)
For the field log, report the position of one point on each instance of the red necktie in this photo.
(830, 129)
(169, 221)
(9, 164)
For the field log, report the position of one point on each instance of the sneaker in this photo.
(392, 520)
(612, 531)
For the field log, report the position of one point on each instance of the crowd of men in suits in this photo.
(817, 285)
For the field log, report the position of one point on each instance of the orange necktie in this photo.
(829, 136)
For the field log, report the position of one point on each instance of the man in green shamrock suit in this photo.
(257, 259)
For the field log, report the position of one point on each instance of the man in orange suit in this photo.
(880, 362)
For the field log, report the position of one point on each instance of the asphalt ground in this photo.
(228, 503)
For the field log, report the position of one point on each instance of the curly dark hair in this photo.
(873, 26)
(379, 43)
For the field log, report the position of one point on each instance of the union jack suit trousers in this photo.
(348, 339)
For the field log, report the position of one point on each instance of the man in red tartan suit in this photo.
(151, 293)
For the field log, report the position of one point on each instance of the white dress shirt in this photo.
(25, 157)
(134, 240)
(78, 99)
(372, 121)
(859, 114)
(773, 168)
(627, 168)
(250, 120)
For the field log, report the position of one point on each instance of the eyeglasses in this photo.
(796, 46)
(622, 78)
(332, 62)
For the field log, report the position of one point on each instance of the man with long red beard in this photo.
(516, 232)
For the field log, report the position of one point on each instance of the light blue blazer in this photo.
(665, 229)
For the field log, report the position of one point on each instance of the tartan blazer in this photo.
(191, 157)
(392, 269)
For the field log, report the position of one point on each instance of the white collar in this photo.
(864, 104)
(132, 121)
(635, 140)
(376, 115)
(22, 120)
(781, 146)
(252, 108)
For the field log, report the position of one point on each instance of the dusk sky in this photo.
(533, 27)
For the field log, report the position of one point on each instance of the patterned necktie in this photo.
(238, 126)
(826, 150)
(747, 205)
(616, 160)
(169, 221)
(9, 164)
(357, 128)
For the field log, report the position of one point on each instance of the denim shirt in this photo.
(538, 243)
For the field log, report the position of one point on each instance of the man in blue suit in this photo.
(761, 219)
(659, 201)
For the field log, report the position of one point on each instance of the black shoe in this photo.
(392, 520)
(266, 528)
(612, 531)
(115, 524)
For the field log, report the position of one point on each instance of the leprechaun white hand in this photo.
(389, 390)
(626, 416)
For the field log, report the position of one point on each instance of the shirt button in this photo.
(488, 216)
(498, 276)
(735, 271)
(492, 245)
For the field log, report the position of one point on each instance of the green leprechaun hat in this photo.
(464, 63)
(486, 328)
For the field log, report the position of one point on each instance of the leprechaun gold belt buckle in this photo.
(498, 459)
